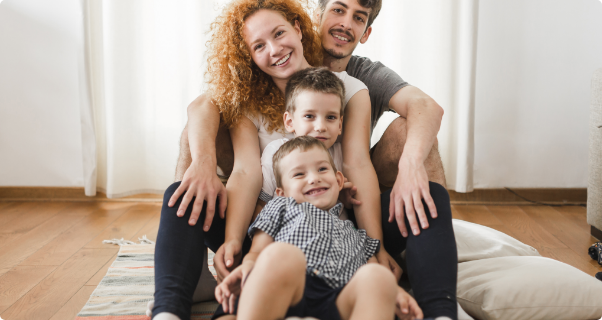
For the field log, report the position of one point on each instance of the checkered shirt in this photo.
(333, 248)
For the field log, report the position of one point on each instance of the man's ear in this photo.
(340, 180)
(298, 29)
(366, 35)
(288, 122)
(317, 16)
(279, 192)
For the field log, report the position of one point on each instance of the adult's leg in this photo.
(224, 153)
(387, 152)
(276, 283)
(179, 256)
(370, 294)
(431, 257)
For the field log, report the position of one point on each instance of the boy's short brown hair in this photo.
(375, 5)
(302, 143)
(314, 79)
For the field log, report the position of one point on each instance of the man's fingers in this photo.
(176, 195)
(430, 204)
(184, 204)
(399, 216)
(424, 222)
(197, 207)
(411, 215)
(223, 202)
(210, 212)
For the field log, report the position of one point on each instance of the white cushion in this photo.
(530, 288)
(477, 242)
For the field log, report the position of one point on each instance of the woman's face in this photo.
(274, 44)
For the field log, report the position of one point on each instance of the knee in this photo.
(376, 279)
(282, 261)
(170, 191)
(397, 131)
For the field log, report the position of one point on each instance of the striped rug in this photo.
(129, 285)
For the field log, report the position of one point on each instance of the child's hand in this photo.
(230, 288)
(346, 196)
(406, 306)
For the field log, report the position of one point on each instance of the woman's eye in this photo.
(259, 46)
(279, 33)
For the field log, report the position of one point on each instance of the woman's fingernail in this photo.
(228, 263)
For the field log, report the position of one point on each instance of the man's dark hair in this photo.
(375, 5)
(317, 79)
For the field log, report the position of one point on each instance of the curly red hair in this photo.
(236, 84)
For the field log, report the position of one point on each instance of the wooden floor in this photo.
(52, 255)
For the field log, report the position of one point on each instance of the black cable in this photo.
(545, 203)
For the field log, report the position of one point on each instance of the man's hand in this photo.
(227, 258)
(230, 288)
(406, 306)
(411, 186)
(347, 195)
(387, 261)
(200, 181)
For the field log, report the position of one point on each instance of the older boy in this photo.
(322, 274)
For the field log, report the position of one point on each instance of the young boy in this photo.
(318, 267)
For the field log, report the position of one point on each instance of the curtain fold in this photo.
(144, 66)
(432, 45)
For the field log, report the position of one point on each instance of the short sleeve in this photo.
(352, 85)
(270, 218)
(371, 247)
(381, 81)
(268, 188)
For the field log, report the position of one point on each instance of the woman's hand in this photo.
(347, 195)
(387, 261)
(406, 307)
(230, 288)
(200, 181)
(227, 258)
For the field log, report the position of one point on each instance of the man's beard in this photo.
(336, 55)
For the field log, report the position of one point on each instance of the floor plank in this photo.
(524, 228)
(125, 226)
(18, 281)
(577, 214)
(66, 244)
(52, 293)
(26, 217)
(569, 257)
(151, 228)
(478, 214)
(75, 304)
(3, 271)
(19, 249)
(97, 277)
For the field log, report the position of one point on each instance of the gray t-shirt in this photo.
(381, 81)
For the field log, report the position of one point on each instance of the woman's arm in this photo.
(200, 179)
(358, 168)
(243, 189)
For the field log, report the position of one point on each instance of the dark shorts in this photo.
(318, 301)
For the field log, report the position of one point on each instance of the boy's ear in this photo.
(366, 35)
(340, 179)
(279, 192)
(288, 122)
(341, 126)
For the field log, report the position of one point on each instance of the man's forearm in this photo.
(203, 124)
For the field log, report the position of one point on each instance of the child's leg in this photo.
(276, 282)
(369, 295)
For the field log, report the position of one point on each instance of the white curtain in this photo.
(145, 61)
(145, 64)
(432, 45)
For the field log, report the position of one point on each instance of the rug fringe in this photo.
(122, 242)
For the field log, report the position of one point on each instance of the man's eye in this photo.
(338, 10)
(360, 19)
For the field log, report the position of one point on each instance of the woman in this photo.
(255, 48)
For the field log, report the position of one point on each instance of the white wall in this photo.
(535, 60)
(40, 52)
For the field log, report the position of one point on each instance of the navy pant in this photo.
(431, 257)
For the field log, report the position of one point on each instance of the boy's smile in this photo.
(308, 176)
(317, 115)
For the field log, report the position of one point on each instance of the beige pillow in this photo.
(529, 288)
(477, 242)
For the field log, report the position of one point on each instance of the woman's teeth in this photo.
(340, 38)
(283, 60)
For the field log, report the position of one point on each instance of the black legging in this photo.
(431, 257)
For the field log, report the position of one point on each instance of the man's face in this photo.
(316, 114)
(343, 26)
(309, 177)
